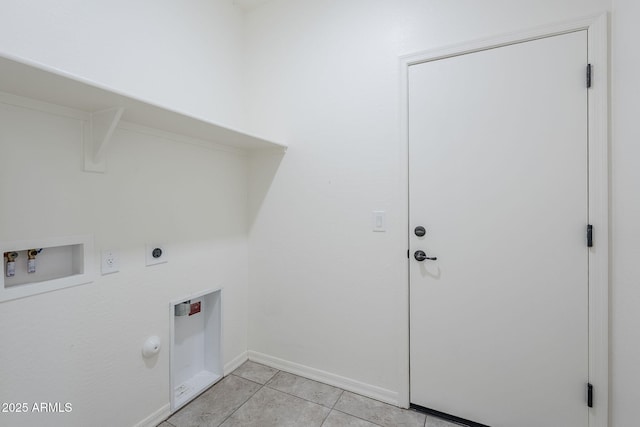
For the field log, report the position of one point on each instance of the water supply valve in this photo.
(11, 263)
(31, 261)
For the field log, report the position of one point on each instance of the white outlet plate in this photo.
(152, 252)
(110, 261)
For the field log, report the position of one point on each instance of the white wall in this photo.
(325, 291)
(181, 54)
(625, 289)
(82, 345)
(324, 288)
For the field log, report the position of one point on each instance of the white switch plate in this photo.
(110, 261)
(379, 221)
(156, 254)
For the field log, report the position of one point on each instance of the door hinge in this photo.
(589, 395)
(589, 235)
(588, 75)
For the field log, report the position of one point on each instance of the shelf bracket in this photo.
(96, 137)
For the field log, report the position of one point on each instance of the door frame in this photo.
(598, 192)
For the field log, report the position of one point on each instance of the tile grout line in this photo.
(384, 403)
(355, 416)
(307, 400)
(333, 406)
(302, 398)
(269, 384)
(337, 400)
(248, 399)
(325, 417)
(247, 379)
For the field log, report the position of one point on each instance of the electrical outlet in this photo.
(156, 254)
(110, 262)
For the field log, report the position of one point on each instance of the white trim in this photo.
(597, 30)
(499, 41)
(155, 418)
(368, 390)
(235, 363)
(403, 208)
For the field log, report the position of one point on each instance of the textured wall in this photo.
(82, 345)
(325, 291)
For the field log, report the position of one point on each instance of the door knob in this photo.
(421, 256)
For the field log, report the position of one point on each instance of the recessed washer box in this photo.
(59, 263)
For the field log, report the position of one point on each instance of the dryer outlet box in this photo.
(156, 254)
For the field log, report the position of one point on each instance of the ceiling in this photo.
(249, 4)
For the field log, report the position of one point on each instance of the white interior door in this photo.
(498, 179)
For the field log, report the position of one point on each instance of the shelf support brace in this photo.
(97, 134)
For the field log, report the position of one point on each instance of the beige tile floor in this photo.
(255, 395)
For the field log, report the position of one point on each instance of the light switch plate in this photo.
(379, 221)
(110, 261)
(156, 254)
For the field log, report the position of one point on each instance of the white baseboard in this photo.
(156, 418)
(235, 363)
(348, 384)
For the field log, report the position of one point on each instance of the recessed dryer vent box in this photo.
(32, 267)
(196, 345)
